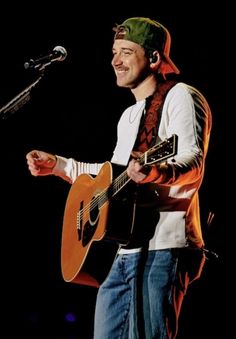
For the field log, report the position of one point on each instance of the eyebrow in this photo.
(125, 49)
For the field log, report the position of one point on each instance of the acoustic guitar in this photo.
(101, 214)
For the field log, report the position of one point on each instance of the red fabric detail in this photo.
(148, 127)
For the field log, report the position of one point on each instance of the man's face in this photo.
(130, 63)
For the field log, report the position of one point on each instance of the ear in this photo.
(155, 60)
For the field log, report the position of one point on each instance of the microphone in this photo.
(59, 53)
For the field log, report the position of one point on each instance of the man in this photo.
(142, 295)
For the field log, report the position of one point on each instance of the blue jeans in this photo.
(142, 296)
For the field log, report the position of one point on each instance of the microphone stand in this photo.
(19, 100)
(24, 96)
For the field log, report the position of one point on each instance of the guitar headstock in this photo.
(160, 152)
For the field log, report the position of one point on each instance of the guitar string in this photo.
(118, 183)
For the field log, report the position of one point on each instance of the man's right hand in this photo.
(40, 163)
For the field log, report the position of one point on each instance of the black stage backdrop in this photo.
(73, 111)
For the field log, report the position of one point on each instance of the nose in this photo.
(116, 60)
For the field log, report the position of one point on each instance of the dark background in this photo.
(73, 112)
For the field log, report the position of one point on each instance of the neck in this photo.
(146, 88)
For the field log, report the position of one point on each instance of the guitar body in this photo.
(90, 231)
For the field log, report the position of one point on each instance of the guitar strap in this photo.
(149, 124)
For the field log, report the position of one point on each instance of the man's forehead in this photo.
(126, 44)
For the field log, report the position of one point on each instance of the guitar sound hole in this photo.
(93, 212)
(91, 225)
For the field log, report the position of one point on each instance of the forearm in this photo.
(175, 172)
(70, 169)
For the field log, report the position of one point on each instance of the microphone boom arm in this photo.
(18, 101)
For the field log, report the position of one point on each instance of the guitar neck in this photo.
(158, 153)
(119, 183)
(123, 179)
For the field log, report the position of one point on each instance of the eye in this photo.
(127, 53)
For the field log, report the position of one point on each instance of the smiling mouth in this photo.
(121, 71)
